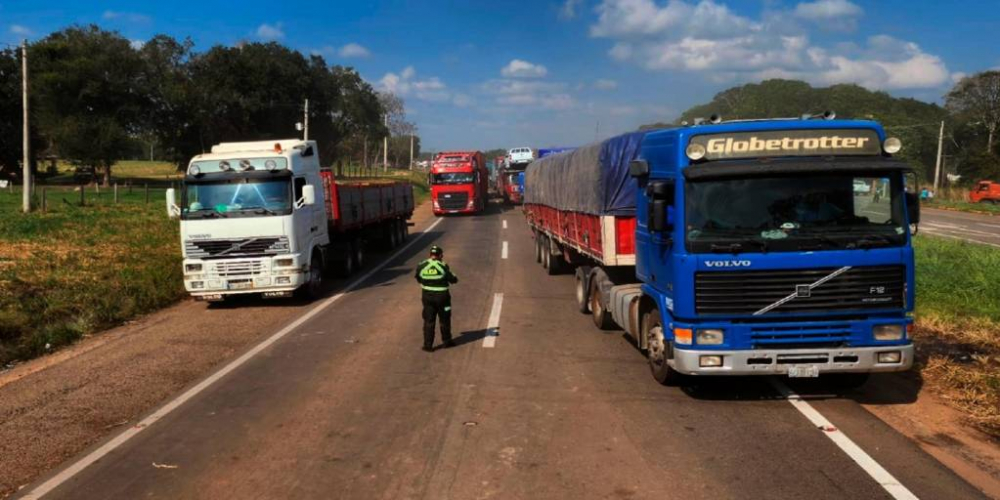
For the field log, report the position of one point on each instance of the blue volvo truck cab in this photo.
(772, 247)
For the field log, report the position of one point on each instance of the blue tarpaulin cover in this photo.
(592, 179)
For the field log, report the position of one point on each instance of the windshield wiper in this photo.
(207, 213)
(870, 240)
(263, 210)
(738, 246)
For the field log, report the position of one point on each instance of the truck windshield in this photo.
(452, 178)
(795, 213)
(237, 198)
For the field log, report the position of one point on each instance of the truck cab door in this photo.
(660, 213)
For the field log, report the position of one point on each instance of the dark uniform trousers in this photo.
(437, 305)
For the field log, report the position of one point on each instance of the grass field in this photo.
(72, 271)
(964, 206)
(958, 325)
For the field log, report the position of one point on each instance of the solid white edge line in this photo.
(503, 252)
(493, 324)
(864, 460)
(164, 410)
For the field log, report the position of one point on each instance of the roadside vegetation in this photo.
(958, 326)
(964, 206)
(71, 271)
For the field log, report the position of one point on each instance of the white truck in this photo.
(264, 218)
(519, 158)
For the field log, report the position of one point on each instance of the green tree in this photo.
(90, 105)
(977, 98)
(10, 113)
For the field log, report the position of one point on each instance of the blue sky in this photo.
(485, 74)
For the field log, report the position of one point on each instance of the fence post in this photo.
(97, 189)
(146, 186)
(116, 193)
(44, 202)
(129, 187)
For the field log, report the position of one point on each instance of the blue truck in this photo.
(739, 248)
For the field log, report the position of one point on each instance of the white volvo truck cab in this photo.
(252, 220)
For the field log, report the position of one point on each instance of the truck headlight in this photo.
(709, 336)
(888, 332)
(285, 262)
(192, 268)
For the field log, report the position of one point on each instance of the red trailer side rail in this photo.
(608, 239)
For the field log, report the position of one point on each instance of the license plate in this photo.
(803, 371)
(240, 285)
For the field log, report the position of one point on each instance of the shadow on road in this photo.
(470, 336)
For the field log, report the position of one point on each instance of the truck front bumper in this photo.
(779, 361)
(244, 276)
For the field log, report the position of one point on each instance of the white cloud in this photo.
(548, 95)
(827, 9)
(353, 50)
(137, 44)
(708, 38)
(17, 29)
(568, 9)
(461, 100)
(405, 84)
(518, 68)
(958, 76)
(129, 17)
(270, 31)
(605, 84)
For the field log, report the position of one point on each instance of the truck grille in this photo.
(453, 201)
(799, 336)
(249, 247)
(238, 268)
(746, 292)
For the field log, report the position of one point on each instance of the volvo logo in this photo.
(727, 263)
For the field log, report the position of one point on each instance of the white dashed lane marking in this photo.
(503, 251)
(493, 325)
(505, 223)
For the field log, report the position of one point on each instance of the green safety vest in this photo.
(433, 271)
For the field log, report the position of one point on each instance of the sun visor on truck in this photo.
(764, 168)
(593, 179)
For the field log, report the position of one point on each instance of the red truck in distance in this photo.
(985, 192)
(459, 182)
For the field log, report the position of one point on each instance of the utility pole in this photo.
(937, 165)
(305, 122)
(385, 145)
(411, 151)
(26, 173)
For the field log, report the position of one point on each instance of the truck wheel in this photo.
(403, 230)
(391, 236)
(358, 253)
(583, 289)
(313, 288)
(600, 315)
(345, 266)
(658, 350)
(543, 247)
(538, 248)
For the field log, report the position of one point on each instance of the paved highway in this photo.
(975, 228)
(533, 403)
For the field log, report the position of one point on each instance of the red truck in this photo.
(459, 182)
(985, 192)
(510, 189)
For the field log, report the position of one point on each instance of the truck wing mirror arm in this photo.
(173, 211)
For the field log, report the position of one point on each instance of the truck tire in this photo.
(403, 230)
(538, 248)
(544, 249)
(391, 235)
(345, 266)
(358, 253)
(600, 314)
(658, 349)
(313, 288)
(583, 289)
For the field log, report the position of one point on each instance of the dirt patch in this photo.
(938, 428)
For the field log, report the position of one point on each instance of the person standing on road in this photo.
(435, 277)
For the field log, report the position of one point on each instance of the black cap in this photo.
(436, 250)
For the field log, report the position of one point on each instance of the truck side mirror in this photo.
(173, 211)
(638, 168)
(308, 195)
